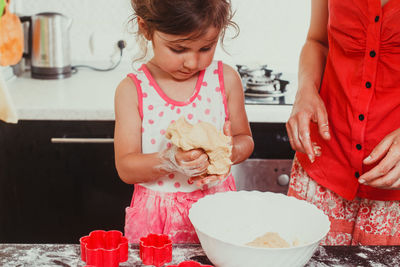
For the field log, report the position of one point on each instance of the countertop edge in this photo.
(255, 113)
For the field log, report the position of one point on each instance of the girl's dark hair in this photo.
(183, 17)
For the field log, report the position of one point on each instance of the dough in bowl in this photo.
(269, 240)
(203, 135)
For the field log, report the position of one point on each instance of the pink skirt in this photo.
(356, 222)
(166, 212)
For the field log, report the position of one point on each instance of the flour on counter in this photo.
(39, 255)
(68, 255)
(365, 256)
(362, 255)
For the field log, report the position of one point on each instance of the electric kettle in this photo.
(48, 45)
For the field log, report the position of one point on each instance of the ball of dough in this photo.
(203, 135)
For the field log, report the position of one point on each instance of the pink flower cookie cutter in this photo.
(155, 250)
(104, 248)
(189, 264)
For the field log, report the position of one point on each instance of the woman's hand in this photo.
(204, 179)
(307, 107)
(386, 174)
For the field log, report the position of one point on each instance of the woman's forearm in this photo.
(311, 65)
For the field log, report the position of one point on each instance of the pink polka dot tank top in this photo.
(157, 110)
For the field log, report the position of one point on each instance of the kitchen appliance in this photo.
(48, 45)
(263, 86)
(264, 175)
(269, 166)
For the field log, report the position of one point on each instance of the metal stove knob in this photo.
(283, 179)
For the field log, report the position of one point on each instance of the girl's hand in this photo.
(386, 174)
(193, 162)
(307, 107)
(204, 179)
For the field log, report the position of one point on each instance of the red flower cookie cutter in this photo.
(104, 248)
(189, 264)
(155, 249)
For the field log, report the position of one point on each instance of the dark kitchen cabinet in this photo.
(58, 192)
(271, 141)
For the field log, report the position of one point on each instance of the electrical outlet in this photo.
(102, 45)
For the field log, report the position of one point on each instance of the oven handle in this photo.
(63, 140)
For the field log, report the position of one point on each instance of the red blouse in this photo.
(361, 91)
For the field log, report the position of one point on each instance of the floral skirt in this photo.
(357, 222)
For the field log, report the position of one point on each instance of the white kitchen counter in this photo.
(89, 95)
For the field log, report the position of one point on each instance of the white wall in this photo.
(272, 32)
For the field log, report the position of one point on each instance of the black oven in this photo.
(269, 166)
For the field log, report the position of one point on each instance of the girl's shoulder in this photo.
(128, 84)
(127, 90)
(229, 71)
(232, 80)
(219, 64)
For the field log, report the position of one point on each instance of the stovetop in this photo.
(264, 86)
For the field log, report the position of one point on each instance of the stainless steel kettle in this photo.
(49, 45)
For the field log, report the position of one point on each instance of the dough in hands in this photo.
(203, 135)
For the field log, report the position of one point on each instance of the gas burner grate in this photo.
(263, 86)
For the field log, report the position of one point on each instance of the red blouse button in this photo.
(372, 53)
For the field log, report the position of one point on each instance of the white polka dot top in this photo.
(157, 110)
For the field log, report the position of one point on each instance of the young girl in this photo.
(181, 79)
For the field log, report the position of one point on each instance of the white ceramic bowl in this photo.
(225, 222)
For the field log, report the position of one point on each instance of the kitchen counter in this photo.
(69, 255)
(89, 95)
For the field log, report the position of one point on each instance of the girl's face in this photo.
(183, 58)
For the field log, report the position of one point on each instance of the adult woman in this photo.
(345, 123)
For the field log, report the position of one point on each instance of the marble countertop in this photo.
(69, 255)
(89, 95)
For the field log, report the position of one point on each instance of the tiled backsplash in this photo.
(271, 31)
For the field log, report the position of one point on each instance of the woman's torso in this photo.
(207, 103)
(361, 91)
